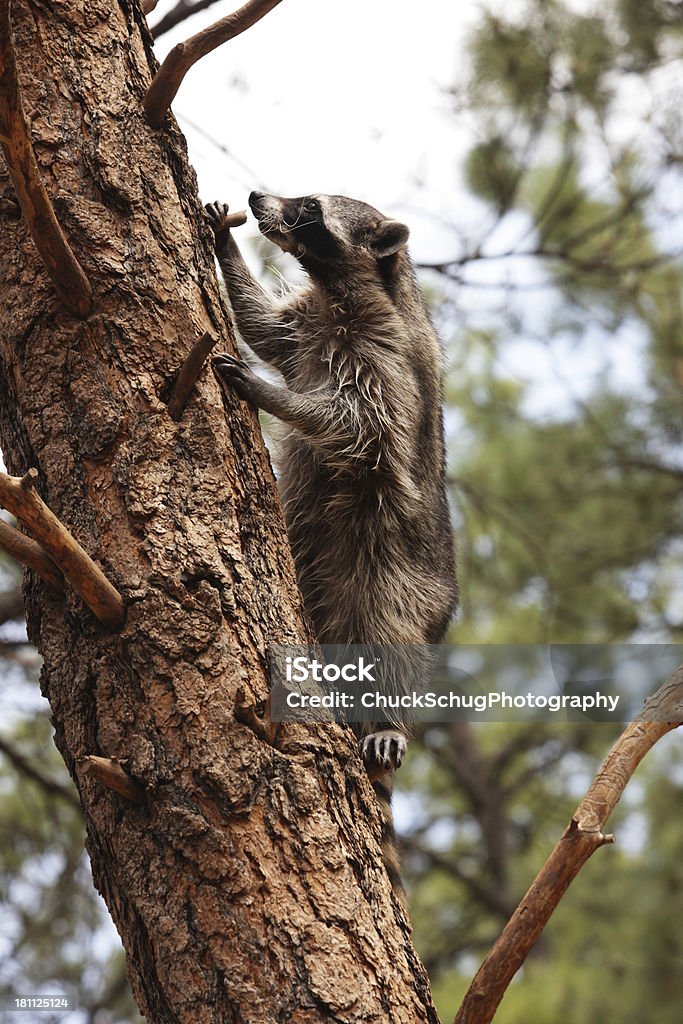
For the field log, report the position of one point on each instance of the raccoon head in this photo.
(328, 231)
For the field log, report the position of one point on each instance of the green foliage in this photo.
(591, 54)
(56, 935)
(612, 951)
(491, 173)
(649, 27)
(513, 62)
(569, 512)
(558, 517)
(566, 516)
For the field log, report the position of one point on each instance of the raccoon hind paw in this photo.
(384, 750)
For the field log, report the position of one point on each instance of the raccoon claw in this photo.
(217, 214)
(234, 372)
(384, 749)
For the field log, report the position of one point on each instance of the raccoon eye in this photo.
(311, 206)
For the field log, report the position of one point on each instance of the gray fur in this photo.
(362, 465)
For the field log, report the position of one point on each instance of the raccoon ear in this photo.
(388, 238)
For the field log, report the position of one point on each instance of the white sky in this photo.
(332, 97)
(350, 97)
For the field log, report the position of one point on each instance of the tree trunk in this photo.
(248, 886)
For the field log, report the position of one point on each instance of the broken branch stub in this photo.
(111, 774)
(19, 496)
(188, 374)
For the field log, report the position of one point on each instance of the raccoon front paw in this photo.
(384, 750)
(235, 373)
(218, 219)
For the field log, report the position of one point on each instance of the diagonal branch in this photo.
(480, 889)
(11, 605)
(582, 837)
(71, 284)
(183, 9)
(25, 767)
(19, 496)
(168, 78)
(30, 553)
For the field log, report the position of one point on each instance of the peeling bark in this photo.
(249, 885)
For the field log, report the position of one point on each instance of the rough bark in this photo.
(249, 886)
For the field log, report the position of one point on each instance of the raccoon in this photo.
(362, 464)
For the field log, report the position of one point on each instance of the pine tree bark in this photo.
(248, 886)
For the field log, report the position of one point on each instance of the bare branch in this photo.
(662, 713)
(19, 496)
(166, 82)
(651, 466)
(449, 267)
(30, 553)
(110, 773)
(71, 284)
(480, 889)
(148, 6)
(11, 605)
(25, 767)
(183, 10)
(188, 374)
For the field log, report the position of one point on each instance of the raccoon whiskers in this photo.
(296, 224)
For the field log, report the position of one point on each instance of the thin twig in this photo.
(30, 553)
(188, 374)
(183, 10)
(166, 82)
(71, 284)
(254, 179)
(27, 768)
(110, 773)
(19, 496)
(582, 837)
(11, 605)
